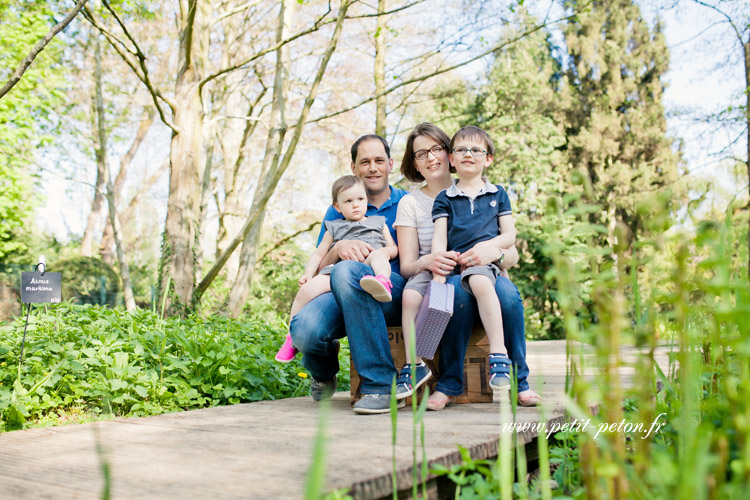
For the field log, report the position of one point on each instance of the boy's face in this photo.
(469, 165)
(372, 166)
(352, 202)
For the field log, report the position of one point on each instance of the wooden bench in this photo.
(476, 370)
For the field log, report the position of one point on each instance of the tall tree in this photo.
(736, 15)
(616, 125)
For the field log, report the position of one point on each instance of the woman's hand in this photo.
(481, 254)
(441, 263)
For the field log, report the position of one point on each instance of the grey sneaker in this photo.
(323, 391)
(375, 403)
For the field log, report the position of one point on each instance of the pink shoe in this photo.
(378, 286)
(287, 351)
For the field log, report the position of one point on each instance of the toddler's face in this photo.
(352, 203)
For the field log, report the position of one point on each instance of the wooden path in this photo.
(256, 450)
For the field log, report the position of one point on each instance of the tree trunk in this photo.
(101, 158)
(177, 269)
(107, 245)
(379, 74)
(274, 144)
(746, 49)
(248, 260)
(269, 179)
(97, 206)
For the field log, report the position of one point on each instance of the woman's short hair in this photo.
(343, 183)
(408, 167)
(474, 132)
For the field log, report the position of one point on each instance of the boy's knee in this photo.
(479, 283)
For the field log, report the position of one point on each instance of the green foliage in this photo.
(81, 279)
(84, 362)
(25, 112)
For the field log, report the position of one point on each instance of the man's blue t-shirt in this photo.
(387, 210)
(471, 221)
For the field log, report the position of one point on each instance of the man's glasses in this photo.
(460, 151)
(422, 153)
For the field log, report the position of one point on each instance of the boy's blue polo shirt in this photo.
(387, 210)
(471, 221)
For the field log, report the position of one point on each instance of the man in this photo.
(349, 310)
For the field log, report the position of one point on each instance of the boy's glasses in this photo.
(474, 151)
(422, 153)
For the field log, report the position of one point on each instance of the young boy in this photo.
(469, 212)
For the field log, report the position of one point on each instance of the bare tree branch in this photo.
(440, 70)
(286, 239)
(141, 73)
(40, 45)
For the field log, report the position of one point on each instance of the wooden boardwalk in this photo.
(256, 450)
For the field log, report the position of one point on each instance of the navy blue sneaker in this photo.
(499, 372)
(404, 387)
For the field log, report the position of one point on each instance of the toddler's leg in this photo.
(319, 285)
(489, 311)
(378, 261)
(379, 285)
(410, 302)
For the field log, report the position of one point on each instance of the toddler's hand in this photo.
(438, 278)
(303, 279)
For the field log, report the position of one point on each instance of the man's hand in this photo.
(352, 250)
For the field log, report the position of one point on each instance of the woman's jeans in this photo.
(321, 321)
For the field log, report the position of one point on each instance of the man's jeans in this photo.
(456, 338)
(321, 321)
(366, 319)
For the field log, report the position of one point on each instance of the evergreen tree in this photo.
(615, 123)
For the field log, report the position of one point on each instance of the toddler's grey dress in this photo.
(369, 230)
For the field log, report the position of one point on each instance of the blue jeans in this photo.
(321, 321)
(456, 338)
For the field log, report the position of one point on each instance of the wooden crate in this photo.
(476, 369)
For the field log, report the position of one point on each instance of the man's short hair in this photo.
(408, 167)
(343, 183)
(369, 137)
(474, 132)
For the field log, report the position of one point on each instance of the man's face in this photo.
(372, 166)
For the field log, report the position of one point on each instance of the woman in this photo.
(426, 159)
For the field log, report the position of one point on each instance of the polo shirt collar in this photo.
(387, 203)
(453, 189)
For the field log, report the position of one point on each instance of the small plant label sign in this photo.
(38, 288)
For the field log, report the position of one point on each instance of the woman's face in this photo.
(434, 166)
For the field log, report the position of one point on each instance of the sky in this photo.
(705, 75)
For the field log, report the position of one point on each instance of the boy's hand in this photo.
(480, 254)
